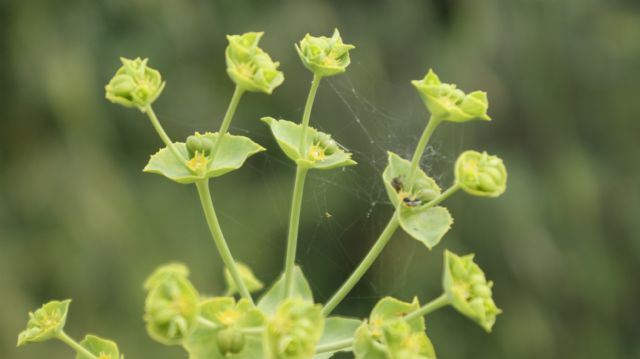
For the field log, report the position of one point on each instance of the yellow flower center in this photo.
(317, 153)
(198, 162)
(229, 316)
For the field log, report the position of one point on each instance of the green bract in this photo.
(249, 66)
(294, 330)
(171, 307)
(481, 174)
(232, 153)
(224, 334)
(321, 152)
(324, 56)
(252, 283)
(446, 102)
(371, 337)
(337, 330)
(424, 223)
(135, 84)
(275, 295)
(468, 290)
(45, 323)
(404, 343)
(101, 348)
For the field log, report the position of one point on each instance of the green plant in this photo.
(286, 322)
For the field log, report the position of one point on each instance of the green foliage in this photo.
(287, 323)
(468, 290)
(45, 323)
(324, 56)
(135, 84)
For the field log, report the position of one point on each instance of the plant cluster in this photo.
(286, 322)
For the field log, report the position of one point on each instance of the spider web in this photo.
(377, 130)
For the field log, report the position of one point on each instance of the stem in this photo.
(228, 116)
(362, 268)
(307, 113)
(334, 347)
(218, 237)
(294, 222)
(422, 144)
(433, 305)
(163, 135)
(75, 345)
(444, 195)
(207, 323)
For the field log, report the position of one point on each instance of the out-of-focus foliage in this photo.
(78, 218)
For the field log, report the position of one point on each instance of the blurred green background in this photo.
(79, 219)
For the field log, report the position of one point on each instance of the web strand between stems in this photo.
(75, 345)
(218, 238)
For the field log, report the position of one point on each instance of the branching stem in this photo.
(307, 113)
(294, 223)
(433, 305)
(163, 135)
(75, 345)
(228, 116)
(333, 347)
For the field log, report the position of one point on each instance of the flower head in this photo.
(480, 174)
(324, 56)
(468, 290)
(294, 331)
(171, 307)
(45, 323)
(135, 84)
(449, 103)
(249, 66)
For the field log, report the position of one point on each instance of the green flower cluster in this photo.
(294, 330)
(249, 66)
(481, 174)
(135, 84)
(468, 290)
(324, 56)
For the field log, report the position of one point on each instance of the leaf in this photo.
(427, 225)
(252, 283)
(337, 329)
(395, 176)
(389, 308)
(101, 348)
(275, 295)
(231, 155)
(287, 134)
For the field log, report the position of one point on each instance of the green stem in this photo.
(422, 144)
(433, 305)
(228, 116)
(163, 135)
(218, 237)
(333, 347)
(444, 195)
(362, 268)
(75, 345)
(307, 113)
(294, 222)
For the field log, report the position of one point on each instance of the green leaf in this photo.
(101, 348)
(231, 155)
(337, 329)
(46, 323)
(252, 283)
(275, 295)
(389, 308)
(427, 225)
(226, 314)
(395, 176)
(321, 151)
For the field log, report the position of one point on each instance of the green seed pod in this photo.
(324, 56)
(45, 323)
(135, 84)
(194, 144)
(480, 174)
(294, 331)
(468, 290)
(172, 305)
(249, 66)
(449, 103)
(230, 341)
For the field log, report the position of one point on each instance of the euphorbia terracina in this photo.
(286, 322)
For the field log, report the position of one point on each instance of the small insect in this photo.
(412, 202)
(327, 215)
(396, 183)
